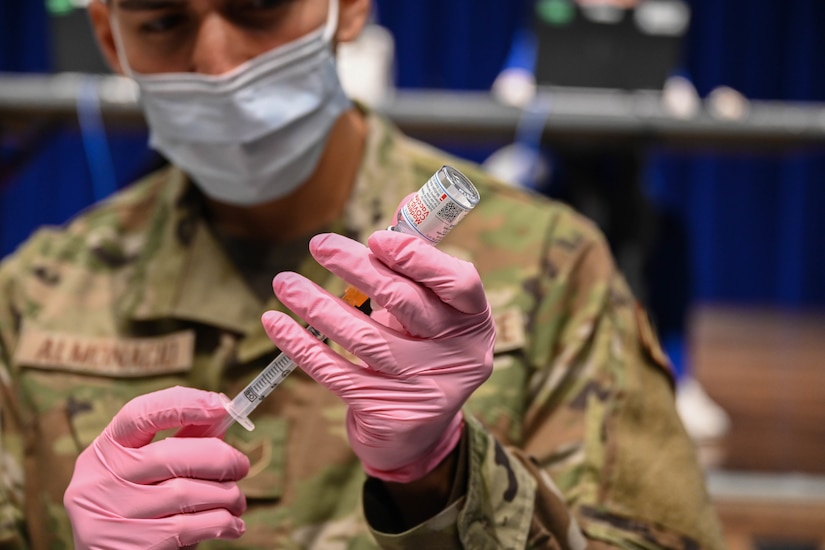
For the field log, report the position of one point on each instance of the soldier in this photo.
(507, 392)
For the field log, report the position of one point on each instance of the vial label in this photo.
(432, 212)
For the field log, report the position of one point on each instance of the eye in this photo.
(163, 23)
(263, 4)
(248, 7)
(265, 15)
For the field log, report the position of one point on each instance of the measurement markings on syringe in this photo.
(279, 369)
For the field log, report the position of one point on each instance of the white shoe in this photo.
(725, 103)
(702, 417)
(519, 165)
(680, 98)
(515, 87)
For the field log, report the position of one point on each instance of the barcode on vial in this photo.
(449, 212)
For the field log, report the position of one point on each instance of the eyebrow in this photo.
(134, 5)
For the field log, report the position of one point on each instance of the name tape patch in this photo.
(129, 357)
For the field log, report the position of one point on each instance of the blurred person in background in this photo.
(506, 392)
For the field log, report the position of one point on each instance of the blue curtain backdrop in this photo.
(754, 225)
(49, 174)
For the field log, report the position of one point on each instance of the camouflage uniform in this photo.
(577, 419)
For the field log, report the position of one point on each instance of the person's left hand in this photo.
(424, 352)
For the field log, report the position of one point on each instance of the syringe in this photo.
(430, 214)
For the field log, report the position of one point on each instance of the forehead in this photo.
(205, 5)
(147, 4)
(164, 4)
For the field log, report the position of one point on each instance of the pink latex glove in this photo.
(129, 492)
(423, 355)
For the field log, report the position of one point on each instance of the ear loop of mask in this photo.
(332, 20)
(121, 49)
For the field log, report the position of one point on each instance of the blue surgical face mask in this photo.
(256, 133)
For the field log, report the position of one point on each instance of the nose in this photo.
(217, 48)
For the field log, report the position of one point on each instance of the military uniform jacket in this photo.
(572, 441)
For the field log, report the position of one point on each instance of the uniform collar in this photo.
(182, 272)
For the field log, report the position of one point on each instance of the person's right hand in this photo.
(130, 492)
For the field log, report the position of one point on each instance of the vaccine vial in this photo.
(438, 206)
